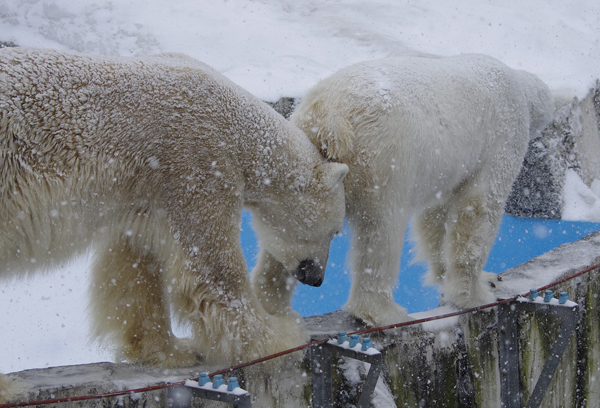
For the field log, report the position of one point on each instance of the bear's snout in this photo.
(310, 272)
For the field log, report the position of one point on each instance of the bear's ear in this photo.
(327, 129)
(334, 136)
(331, 176)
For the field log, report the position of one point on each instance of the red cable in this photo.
(89, 397)
(289, 351)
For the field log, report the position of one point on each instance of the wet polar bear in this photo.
(440, 139)
(151, 160)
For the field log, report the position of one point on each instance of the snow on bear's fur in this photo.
(440, 139)
(151, 160)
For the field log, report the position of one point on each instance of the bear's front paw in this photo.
(285, 331)
(376, 309)
(181, 354)
(174, 353)
(466, 295)
(493, 280)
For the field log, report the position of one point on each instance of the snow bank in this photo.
(282, 48)
(580, 201)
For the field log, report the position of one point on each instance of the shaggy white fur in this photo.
(441, 139)
(151, 161)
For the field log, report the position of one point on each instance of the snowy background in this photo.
(278, 48)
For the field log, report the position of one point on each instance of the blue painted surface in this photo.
(518, 240)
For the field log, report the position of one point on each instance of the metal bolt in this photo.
(533, 294)
(204, 378)
(232, 384)
(218, 381)
(564, 296)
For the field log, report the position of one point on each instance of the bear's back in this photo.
(78, 108)
(406, 83)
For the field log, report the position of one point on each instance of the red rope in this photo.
(289, 351)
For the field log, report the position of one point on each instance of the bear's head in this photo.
(297, 225)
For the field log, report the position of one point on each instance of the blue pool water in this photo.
(518, 240)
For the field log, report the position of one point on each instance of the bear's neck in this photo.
(274, 155)
(278, 157)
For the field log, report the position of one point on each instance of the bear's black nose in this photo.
(310, 273)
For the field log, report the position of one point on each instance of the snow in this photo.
(371, 351)
(437, 325)
(553, 302)
(45, 322)
(280, 48)
(222, 388)
(581, 202)
(274, 49)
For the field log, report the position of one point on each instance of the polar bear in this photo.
(150, 161)
(439, 139)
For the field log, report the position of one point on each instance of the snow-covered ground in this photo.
(278, 48)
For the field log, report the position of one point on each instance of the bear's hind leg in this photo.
(130, 310)
(474, 218)
(429, 232)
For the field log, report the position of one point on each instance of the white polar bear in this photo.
(441, 139)
(151, 160)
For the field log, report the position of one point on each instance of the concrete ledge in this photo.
(450, 363)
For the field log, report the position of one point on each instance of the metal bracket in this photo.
(320, 367)
(508, 347)
(216, 390)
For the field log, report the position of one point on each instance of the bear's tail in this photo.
(328, 129)
(541, 102)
